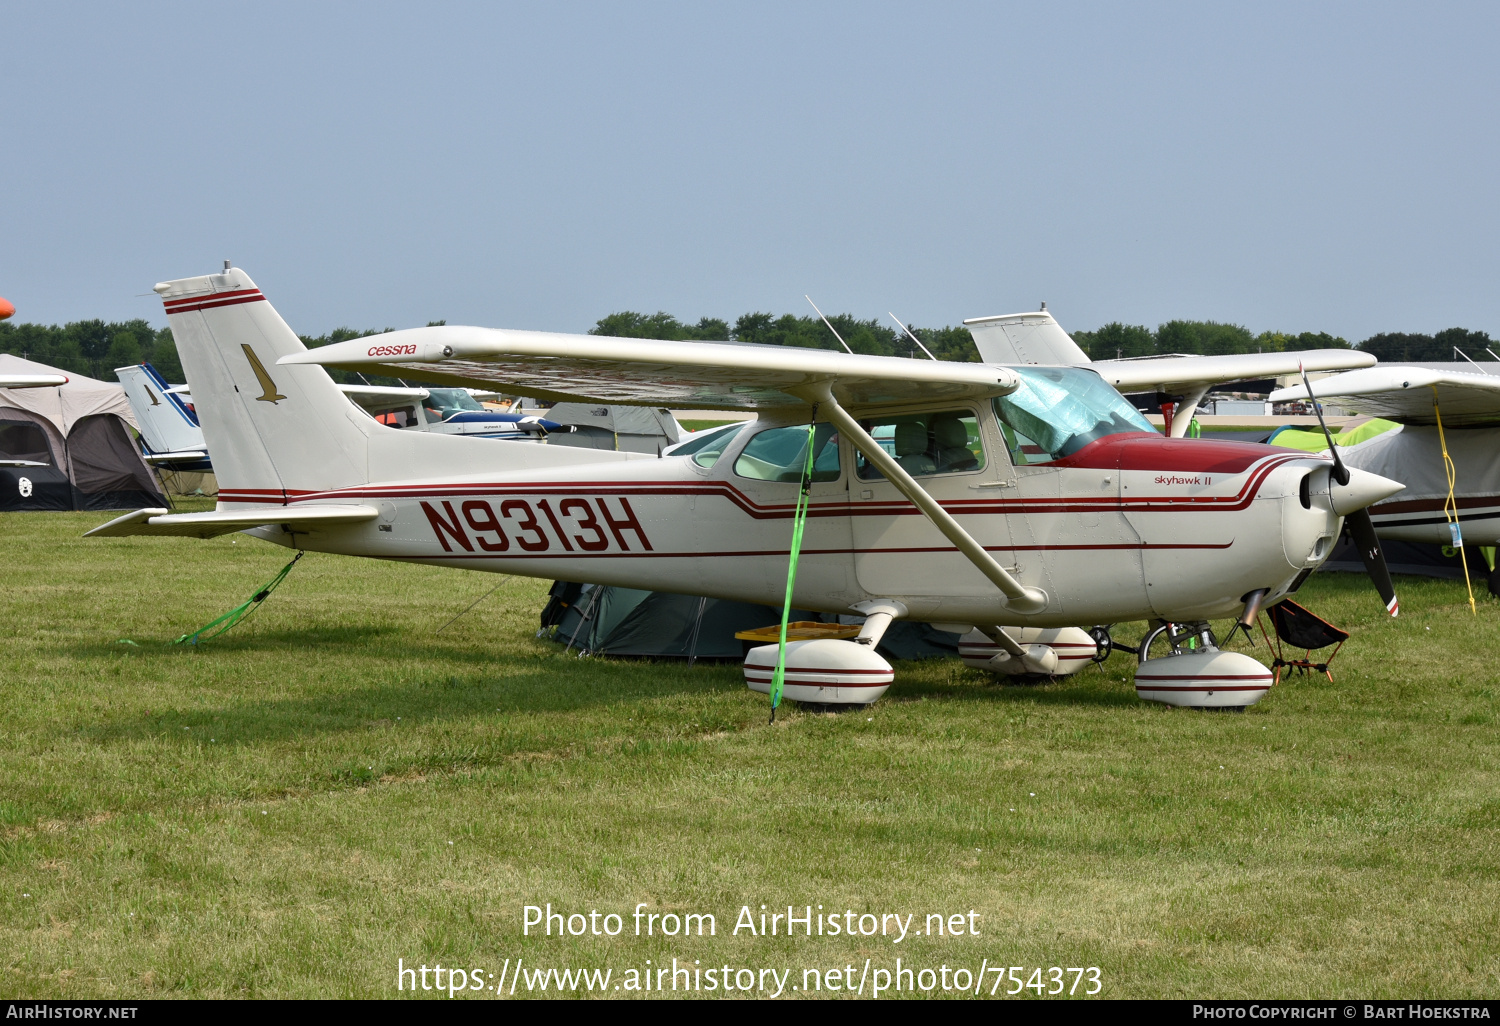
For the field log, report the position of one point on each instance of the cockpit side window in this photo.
(780, 454)
(942, 442)
(1059, 410)
(709, 446)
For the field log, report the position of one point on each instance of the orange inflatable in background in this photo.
(7, 308)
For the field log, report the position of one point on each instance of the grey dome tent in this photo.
(69, 447)
(627, 622)
(622, 428)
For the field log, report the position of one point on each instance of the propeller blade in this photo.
(1340, 472)
(1362, 530)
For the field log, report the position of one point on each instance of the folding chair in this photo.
(1301, 629)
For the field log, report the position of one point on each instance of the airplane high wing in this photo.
(373, 395)
(1187, 374)
(1036, 338)
(1409, 395)
(682, 375)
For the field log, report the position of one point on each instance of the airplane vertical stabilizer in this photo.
(1024, 338)
(166, 422)
(278, 432)
(272, 432)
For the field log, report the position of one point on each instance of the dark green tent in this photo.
(655, 624)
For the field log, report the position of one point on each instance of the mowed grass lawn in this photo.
(335, 786)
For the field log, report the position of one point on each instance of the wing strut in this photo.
(1018, 596)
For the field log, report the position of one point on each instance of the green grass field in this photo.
(335, 785)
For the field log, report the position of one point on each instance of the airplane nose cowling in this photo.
(1364, 489)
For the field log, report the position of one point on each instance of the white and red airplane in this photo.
(969, 495)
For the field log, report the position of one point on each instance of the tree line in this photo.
(1112, 341)
(96, 347)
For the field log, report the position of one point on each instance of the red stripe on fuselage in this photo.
(764, 511)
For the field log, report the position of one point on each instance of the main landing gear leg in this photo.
(1040, 660)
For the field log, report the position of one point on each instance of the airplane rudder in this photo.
(290, 423)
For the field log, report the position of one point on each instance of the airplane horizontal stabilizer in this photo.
(163, 523)
(186, 456)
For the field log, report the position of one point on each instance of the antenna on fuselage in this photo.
(912, 336)
(830, 326)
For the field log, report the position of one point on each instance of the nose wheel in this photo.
(1103, 642)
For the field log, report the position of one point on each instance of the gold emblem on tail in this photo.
(152, 396)
(267, 386)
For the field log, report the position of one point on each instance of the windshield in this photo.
(1059, 410)
(445, 402)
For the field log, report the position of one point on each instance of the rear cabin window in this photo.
(923, 444)
(780, 454)
(400, 416)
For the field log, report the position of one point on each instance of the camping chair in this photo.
(1301, 629)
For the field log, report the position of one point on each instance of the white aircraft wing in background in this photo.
(648, 372)
(1409, 395)
(32, 380)
(1187, 374)
(29, 381)
(376, 395)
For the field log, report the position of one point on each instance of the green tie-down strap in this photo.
(778, 678)
(240, 611)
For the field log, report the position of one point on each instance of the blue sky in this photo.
(1284, 166)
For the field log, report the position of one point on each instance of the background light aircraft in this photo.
(170, 435)
(172, 438)
(1032, 497)
(1438, 409)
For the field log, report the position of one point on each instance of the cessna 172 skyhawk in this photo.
(1026, 496)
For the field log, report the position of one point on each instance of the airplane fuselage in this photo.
(1130, 526)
